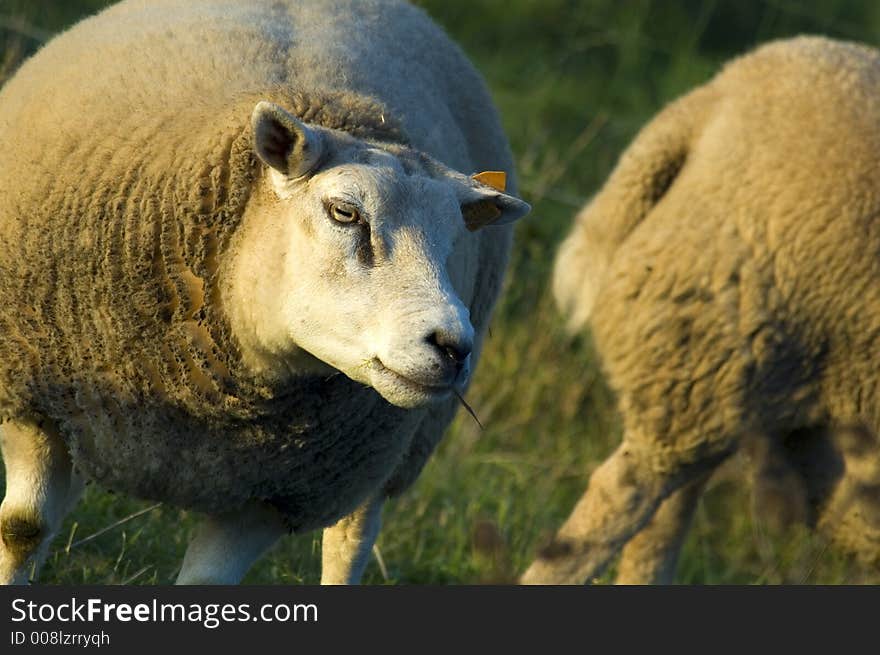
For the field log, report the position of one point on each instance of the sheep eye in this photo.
(343, 213)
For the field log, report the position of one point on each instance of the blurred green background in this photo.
(574, 80)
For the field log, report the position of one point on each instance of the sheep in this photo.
(729, 272)
(244, 268)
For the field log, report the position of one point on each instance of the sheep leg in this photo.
(41, 487)
(850, 509)
(651, 556)
(622, 496)
(347, 544)
(225, 546)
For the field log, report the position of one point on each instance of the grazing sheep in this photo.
(210, 211)
(730, 269)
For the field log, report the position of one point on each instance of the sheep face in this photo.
(361, 271)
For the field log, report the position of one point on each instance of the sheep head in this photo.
(362, 258)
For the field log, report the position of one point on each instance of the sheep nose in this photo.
(454, 348)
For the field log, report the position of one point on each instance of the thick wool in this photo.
(729, 272)
(126, 166)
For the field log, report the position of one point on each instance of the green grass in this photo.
(574, 80)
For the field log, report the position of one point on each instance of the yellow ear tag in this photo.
(495, 179)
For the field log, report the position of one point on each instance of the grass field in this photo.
(574, 80)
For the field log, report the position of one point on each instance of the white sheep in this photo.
(730, 271)
(239, 271)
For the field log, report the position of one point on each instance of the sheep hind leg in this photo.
(225, 546)
(621, 497)
(41, 487)
(850, 510)
(652, 555)
(347, 545)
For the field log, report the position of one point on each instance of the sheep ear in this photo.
(483, 201)
(283, 142)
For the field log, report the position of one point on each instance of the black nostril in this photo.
(455, 349)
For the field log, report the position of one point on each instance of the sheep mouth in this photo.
(406, 389)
